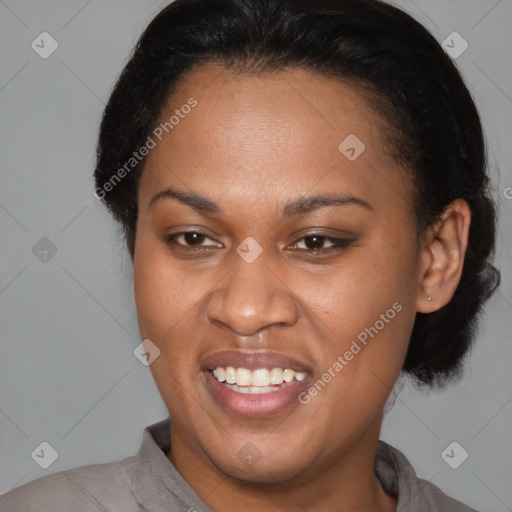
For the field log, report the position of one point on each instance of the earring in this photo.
(429, 298)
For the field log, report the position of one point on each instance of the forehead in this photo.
(256, 137)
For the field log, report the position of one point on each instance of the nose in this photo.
(251, 298)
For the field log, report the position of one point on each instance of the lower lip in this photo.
(254, 406)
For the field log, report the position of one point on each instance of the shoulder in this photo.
(440, 502)
(398, 478)
(98, 487)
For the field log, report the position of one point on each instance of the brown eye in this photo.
(316, 242)
(192, 239)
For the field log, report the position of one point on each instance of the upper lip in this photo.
(253, 360)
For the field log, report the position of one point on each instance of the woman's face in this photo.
(301, 264)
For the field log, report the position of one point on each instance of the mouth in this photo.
(254, 385)
(261, 380)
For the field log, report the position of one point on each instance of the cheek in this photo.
(353, 294)
(366, 311)
(166, 300)
(163, 294)
(369, 332)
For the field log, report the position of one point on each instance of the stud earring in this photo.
(429, 298)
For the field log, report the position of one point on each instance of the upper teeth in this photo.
(260, 377)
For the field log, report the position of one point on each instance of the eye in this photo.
(192, 239)
(317, 243)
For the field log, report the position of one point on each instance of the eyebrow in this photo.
(199, 203)
(299, 206)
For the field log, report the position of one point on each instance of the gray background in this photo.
(68, 329)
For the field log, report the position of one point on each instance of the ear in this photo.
(442, 257)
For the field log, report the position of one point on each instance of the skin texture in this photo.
(251, 145)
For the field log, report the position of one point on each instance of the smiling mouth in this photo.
(259, 381)
(255, 384)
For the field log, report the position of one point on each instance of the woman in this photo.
(303, 190)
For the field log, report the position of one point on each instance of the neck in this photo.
(345, 482)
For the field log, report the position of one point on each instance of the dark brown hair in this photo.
(436, 130)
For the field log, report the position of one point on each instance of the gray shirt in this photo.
(148, 482)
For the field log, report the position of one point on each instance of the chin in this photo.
(260, 466)
(260, 473)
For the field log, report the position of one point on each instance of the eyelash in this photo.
(336, 243)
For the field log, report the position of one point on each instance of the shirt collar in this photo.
(156, 483)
